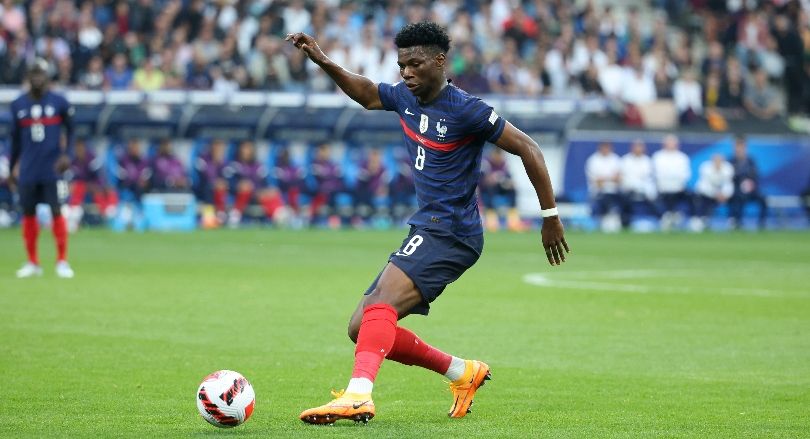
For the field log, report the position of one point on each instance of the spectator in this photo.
(732, 90)
(87, 183)
(611, 78)
(672, 173)
(168, 172)
(119, 76)
(467, 70)
(687, 94)
(714, 186)
(403, 194)
(637, 87)
(213, 174)
(93, 78)
(148, 78)
(371, 188)
(791, 49)
(133, 172)
(715, 62)
(637, 182)
(12, 64)
(198, 76)
(746, 184)
(587, 54)
(498, 193)
(589, 81)
(249, 184)
(604, 171)
(328, 186)
(289, 177)
(760, 99)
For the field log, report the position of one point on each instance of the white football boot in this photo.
(29, 270)
(63, 270)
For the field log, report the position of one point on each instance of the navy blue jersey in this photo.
(36, 135)
(444, 139)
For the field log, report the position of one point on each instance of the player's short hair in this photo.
(424, 33)
(39, 65)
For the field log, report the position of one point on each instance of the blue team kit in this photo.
(445, 140)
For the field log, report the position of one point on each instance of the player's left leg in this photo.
(60, 230)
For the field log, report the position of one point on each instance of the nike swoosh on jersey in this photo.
(408, 112)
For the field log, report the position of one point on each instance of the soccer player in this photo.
(38, 157)
(444, 130)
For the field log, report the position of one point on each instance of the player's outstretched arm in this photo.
(516, 142)
(361, 89)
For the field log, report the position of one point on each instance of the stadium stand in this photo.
(192, 71)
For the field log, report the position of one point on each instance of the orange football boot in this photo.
(355, 406)
(475, 374)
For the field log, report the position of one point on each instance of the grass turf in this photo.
(636, 336)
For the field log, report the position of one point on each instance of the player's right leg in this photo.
(393, 296)
(30, 230)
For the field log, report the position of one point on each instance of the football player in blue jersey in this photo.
(444, 131)
(39, 156)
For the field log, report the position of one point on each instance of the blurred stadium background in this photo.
(189, 73)
(637, 335)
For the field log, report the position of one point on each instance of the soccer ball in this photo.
(225, 399)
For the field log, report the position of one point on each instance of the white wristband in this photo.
(545, 213)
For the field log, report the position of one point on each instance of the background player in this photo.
(39, 154)
(444, 130)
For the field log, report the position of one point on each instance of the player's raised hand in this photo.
(308, 45)
(553, 240)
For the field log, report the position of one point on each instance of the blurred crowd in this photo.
(238, 183)
(750, 56)
(639, 185)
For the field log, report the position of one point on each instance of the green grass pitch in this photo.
(636, 336)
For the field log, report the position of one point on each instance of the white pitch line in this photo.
(543, 280)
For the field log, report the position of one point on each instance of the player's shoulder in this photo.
(58, 97)
(469, 105)
(464, 98)
(19, 100)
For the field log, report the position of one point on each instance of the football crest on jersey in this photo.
(36, 111)
(441, 129)
(49, 111)
(423, 123)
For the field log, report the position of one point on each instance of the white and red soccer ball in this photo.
(225, 399)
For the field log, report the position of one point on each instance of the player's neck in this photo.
(430, 97)
(37, 95)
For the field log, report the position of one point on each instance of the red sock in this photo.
(242, 200)
(219, 199)
(61, 236)
(409, 349)
(30, 230)
(378, 330)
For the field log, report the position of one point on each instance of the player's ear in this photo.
(440, 59)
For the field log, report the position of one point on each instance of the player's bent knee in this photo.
(354, 330)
